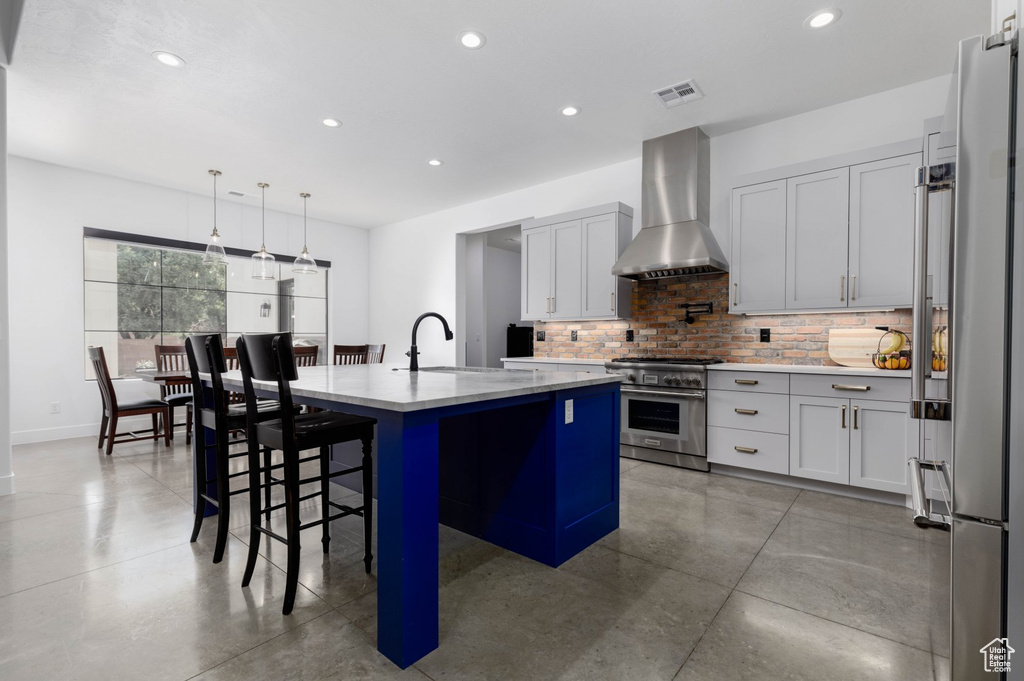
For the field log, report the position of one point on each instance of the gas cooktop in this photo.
(700, 361)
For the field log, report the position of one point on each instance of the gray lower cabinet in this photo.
(819, 438)
(864, 443)
(748, 420)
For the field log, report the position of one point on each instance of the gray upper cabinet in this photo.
(882, 232)
(567, 261)
(536, 273)
(817, 214)
(757, 277)
(832, 239)
(566, 269)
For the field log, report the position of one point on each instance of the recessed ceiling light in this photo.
(823, 18)
(435, 162)
(332, 122)
(570, 111)
(168, 59)
(472, 40)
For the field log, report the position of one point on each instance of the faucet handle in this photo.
(408, 353)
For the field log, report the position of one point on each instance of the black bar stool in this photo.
(270, 357)
(206, 355)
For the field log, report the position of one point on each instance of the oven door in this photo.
(666, 420)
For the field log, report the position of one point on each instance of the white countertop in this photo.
(556, 360)
(393, 387)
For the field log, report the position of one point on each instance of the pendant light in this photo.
(262, 261)
(215, 254)
(304, 264)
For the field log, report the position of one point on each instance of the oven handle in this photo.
(665, 393)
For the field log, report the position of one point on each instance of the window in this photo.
(140, 293)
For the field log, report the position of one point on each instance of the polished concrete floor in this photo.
(708, 577)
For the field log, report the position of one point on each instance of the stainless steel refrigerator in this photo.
(969, 288)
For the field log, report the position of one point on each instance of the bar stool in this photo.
(270, 357)
(206, 355)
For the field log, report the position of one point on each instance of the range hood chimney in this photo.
(674, 239)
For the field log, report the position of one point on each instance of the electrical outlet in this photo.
(766, 335)
(568, 412)
(574, 336)
(54, 407)
(540, 336)
(629, 335)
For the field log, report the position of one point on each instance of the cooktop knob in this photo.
(631, 378)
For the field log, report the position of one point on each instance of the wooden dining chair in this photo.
(231, 364)
(173, 358)
(113, 410)
(306, 355)
(375, 354)
(350, 354)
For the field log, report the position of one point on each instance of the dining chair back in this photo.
(350, 354)
(173, 358)
(306, 355)
(375, 354)
(113, 410)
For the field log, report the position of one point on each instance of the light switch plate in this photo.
(568, 412)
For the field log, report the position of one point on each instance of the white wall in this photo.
(6, 386)
(412, 263)
(502, 277)
(48, 207)
(476, 311)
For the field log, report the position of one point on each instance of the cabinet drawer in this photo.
(749, 381)
(586, 368)
(731, 446)
(857, 387)
(763, 412)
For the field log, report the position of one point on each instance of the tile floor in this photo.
(708, 577)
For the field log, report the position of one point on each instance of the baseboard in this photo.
(814, 485)
(24, 437)
(7, 485)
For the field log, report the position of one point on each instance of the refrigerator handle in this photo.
(929, 179)
(920, 365)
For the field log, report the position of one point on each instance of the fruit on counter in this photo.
(899, 339)
(938, 363)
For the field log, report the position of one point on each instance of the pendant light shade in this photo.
(304, 264)
(262, 261)
(215, 254)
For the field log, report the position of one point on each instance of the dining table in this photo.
(528, 461)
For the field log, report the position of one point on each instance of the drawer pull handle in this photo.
(747, 412)
(855, 388)
(746, 381)
(746, 450)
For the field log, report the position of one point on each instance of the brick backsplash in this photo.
(659, 328)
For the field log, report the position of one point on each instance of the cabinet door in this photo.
(757, 268)
(536, 273)
(882, 438)
(600, 251)
(882, 232)
(567, 270)
(819, 438)
(817, 229)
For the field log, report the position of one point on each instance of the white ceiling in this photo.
(261, 74)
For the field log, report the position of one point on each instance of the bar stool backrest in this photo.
(268, 357)
(205, 354)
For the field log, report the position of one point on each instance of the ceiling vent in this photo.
(674, 95)
(235, 192)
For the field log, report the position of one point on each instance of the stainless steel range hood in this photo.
(674, 239)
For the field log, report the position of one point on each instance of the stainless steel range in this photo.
(664, 415)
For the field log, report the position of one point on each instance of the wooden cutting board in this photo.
(853, 347)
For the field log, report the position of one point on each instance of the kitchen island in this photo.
(528, 461)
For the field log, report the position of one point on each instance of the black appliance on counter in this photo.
(519, 341)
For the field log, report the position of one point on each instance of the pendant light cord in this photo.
(263, 207)
(305, 195)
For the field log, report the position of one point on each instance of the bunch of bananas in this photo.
(939, 348)
(893, 356)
